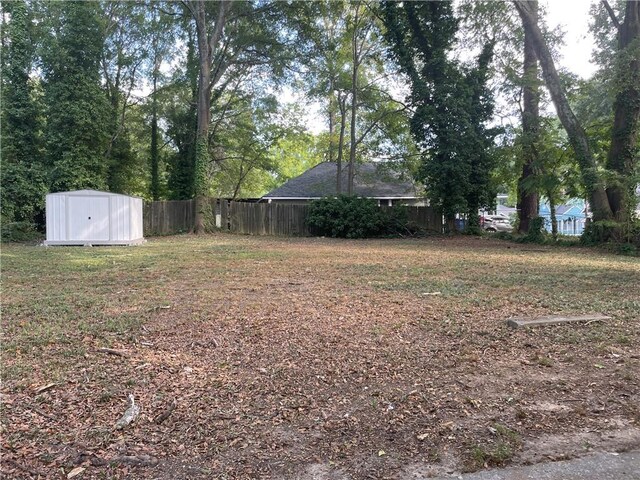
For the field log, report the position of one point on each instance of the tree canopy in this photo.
(176, 100)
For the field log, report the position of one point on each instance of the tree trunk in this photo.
(527, 197)
(592, 181)
(155, 180)
(622, 156)
(552, 214)
(354, 102)
(342, 103)
(352, 144)
(332, 121)
(450, 225)
(206, 49)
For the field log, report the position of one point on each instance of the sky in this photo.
(573, 17)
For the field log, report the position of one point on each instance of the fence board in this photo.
(168, 217)
(277, 219)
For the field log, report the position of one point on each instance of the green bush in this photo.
(623, 237)
(354, 217)
(19, 232)
(604, 231)
(536, 233)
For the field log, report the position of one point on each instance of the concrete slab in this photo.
(600, 466)
(521, 322)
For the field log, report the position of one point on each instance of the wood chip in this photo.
(129, 415)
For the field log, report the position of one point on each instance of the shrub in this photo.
(536, 233)
(604, 231)
(19, 232)
(354, 217)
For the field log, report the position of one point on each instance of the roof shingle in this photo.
(370, 180)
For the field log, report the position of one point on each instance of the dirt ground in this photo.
(312, 358)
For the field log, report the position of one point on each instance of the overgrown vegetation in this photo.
(622, 233)
(615, 236)
(354, 217)
(19, 232)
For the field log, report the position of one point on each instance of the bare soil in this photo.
(313, 358)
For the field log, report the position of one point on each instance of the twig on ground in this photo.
(164, 415)
(39, 411)
(591, 321)
(111, 351)
(44, 388)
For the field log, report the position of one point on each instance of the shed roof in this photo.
(89, 192)
(371, 180)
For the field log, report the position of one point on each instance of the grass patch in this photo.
(495, 452)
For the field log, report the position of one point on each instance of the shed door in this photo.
(89, 218)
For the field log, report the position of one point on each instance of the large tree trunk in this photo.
(592, 181)
(450, 225)
(352, 144)
(207, 45)
(622, 157)
(528, 197)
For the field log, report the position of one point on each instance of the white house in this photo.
(91, 217)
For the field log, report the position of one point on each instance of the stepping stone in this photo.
(521, 322)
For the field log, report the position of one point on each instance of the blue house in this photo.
(571, 216)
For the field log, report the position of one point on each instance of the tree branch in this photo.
(219, 28)
(374, 124)
(612, 14)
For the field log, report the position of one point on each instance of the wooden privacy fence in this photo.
(427, 218)
(168, 217)
(268, 219)
(178, 216)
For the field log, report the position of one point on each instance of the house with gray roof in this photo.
(371, 180)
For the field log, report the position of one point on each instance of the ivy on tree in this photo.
(451, 104)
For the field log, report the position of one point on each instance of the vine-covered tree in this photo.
(622, 158)
(78, 113)
(528, 200)
(23, 174)
(451, 104)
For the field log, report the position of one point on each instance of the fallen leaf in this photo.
(75, 472)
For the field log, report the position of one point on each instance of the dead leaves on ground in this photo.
(277, 354)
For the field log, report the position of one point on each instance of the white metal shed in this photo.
(91, 217)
